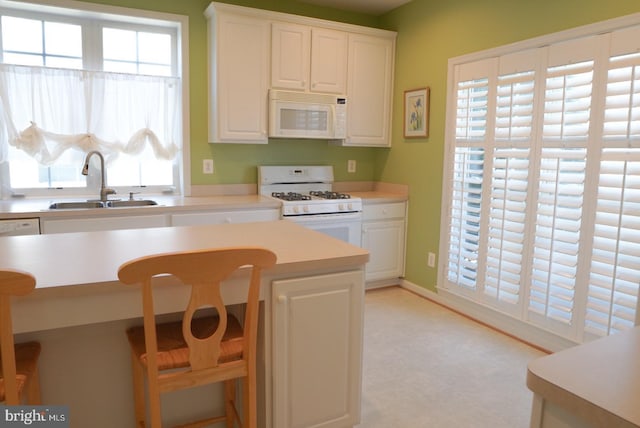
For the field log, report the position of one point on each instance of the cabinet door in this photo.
(290, 56)
(239, 70)
(103, 223)
(328, 61)
(385, 242)
(370, 83)
(317, 350)
(219, 217)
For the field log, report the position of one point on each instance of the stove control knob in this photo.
(296, 210)
(306, 208)
(340, 207)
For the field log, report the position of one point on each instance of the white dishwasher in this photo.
(20, 226)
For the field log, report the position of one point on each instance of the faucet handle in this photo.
(131, 195)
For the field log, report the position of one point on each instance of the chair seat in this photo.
(26, 364)
(173, 352)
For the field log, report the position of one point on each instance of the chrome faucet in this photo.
(104, 191)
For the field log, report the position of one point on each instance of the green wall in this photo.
(429, 33)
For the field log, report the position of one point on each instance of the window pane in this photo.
(120, 67)
(21, 35)
(63, 39)
(119, 45)
(25, 172)
(142, 170)
(53, 61)
(154, 48)
(23, 59)
(155, 70)
(127, 51)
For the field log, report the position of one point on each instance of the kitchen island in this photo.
(311, 324)
(596, 384)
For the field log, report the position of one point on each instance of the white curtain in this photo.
(45, 111)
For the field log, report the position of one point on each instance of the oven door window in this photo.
(347, 230)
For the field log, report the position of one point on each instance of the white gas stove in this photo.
(306, 195)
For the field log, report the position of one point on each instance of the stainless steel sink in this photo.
(76, 205)
(100, 204)
(131, 203)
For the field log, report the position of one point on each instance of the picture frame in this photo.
(416, 113)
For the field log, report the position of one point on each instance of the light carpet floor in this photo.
(426, 366)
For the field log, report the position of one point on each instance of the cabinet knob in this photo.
(282, 298)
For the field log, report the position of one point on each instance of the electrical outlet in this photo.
(207, 166)
(351, 166)
(431, 261)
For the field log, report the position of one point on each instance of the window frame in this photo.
(96, 17)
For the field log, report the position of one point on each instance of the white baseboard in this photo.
(519, 329)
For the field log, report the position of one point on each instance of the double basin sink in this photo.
(100, 204)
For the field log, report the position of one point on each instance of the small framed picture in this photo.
(416, 113)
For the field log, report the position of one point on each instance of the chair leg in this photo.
(249, 402)
(138, 390)
(229, 401)
(33, 388)
(155, 412)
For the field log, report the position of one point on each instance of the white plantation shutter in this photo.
(509, 180)
(465, 216)
(614, 280)
(471, 129)
(544, 184)
(557, 237)
(562, 173)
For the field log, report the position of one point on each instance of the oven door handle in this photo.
(313, 218)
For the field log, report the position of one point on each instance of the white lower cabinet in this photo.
(103, 223)
(317, 350)
(383, 234)
(219, 217)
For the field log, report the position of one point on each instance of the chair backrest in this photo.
(12, 283)
(203, 270)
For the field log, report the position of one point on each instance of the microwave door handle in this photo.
(334, 121)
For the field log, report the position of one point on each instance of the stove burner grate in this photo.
(291, 196)
(329, 195)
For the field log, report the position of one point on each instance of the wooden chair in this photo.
(197, 351)
(19, 377)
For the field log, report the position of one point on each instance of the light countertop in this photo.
(598, 382)
(76, 273)
(68, 259)
(39, 207)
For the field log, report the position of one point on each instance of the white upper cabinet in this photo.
(305, 58)
(253, 50)
(369, 91)
(329, 61)
(238, 77)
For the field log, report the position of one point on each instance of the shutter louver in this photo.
(614, 279)
(465, 216)
(509, 183)
(467, 178)
(565, 133)
(507, 225)
(557, 238)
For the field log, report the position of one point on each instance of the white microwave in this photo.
(305, 115)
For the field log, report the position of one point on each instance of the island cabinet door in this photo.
(317, 350)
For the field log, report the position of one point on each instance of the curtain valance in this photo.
(46, 111)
